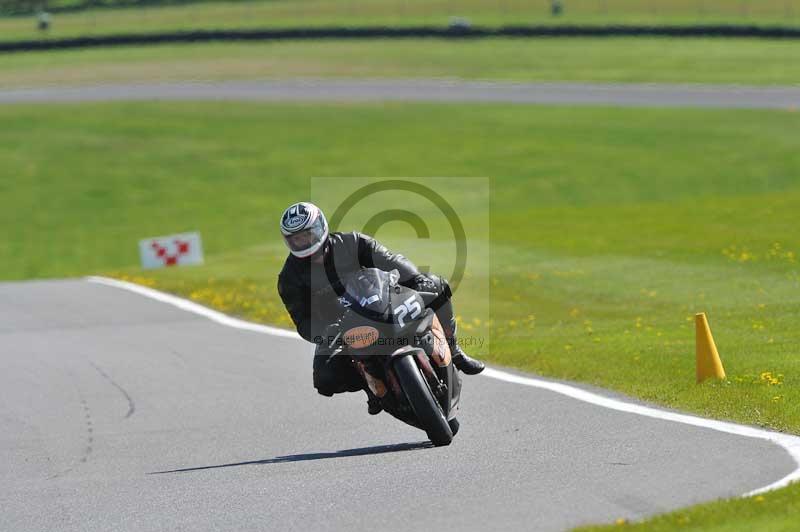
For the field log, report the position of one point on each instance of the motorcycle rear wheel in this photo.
(425, 406)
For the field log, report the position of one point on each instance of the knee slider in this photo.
(325, 385)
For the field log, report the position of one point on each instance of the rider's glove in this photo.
(423, 283)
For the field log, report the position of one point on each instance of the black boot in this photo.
(465, 363)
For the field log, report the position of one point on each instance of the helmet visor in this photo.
(308, 238)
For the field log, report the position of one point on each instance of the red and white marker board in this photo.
(171, 250)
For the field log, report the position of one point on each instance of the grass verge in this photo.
(624, 223)
(773, 512)
(757, 62)
(270, 13)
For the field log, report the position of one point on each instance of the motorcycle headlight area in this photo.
(361, 337)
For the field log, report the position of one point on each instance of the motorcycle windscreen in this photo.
(368, 291)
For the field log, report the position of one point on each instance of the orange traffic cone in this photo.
(708, 361)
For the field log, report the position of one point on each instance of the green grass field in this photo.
(758, 62)
(773, 512)
(632, 220)
(271, 13)
(628, 221)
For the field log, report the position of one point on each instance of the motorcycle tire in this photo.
(454, 425)
(425, 406)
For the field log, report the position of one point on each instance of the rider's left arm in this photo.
(373, 254)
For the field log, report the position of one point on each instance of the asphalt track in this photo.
(121, 412)
(629, 95)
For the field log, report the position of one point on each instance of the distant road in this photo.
(120, 412)
(629, 95)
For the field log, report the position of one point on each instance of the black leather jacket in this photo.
(308, 288)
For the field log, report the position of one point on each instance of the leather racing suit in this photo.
(308, 292)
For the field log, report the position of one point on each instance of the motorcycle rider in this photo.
(317, 259)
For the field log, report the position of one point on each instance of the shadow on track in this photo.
(361, 451)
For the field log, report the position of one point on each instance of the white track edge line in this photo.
(790, 443)
(190, 306)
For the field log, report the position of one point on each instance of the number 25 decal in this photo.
(410, 307)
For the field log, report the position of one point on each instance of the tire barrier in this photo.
(372, 32)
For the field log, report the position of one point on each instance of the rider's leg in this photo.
(443, 306)
(336, 374)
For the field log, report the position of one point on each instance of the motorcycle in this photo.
(398, 346)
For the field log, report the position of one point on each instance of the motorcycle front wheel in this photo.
(425, 406)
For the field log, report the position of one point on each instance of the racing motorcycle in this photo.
(398, 346)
